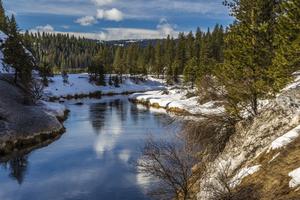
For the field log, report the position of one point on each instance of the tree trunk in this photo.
(16, 77)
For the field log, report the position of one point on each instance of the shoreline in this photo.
(21, 145)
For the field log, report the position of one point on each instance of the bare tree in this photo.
(210, 134)
(171, 163)
(226, 187)
(36, 91)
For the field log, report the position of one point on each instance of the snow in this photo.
(295, 83)
(285, 139)
(237, 179)
(3, 37)
(3, 69)
(174, 98)
(295, 175)
(55, 109)
(79, 85)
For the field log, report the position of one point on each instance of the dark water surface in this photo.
(94, 159)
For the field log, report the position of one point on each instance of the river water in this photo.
(94, 159)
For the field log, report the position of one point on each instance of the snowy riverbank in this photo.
(152, 92)
(79, 85)
(176, 99)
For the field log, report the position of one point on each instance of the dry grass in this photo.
(273, 176)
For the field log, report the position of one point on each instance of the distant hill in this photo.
(142, 43)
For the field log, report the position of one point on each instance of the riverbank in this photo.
(150, 92)
(178, 100)
(261, 155)
(24, 126)
(79, 86)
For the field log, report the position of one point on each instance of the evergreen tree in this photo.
(45, 71)
(158, 66)
(141, 63)
(248, 55)
(175, 69)
(287, 41)
(16, 56)
(119, 63)
(190, 44)
(181, 52)
(97, 70)
(197, 45)
(3, 18)
(190, 71)
(169, 58)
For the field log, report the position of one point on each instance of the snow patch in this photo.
(295, 175)
(285, 139)
(174, 98)
(295, 83)
(4, 69)
(237, 179)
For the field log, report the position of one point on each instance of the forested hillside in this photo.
(61, 52)
(189, 54)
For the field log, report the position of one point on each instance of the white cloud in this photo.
(162, 30)
(46, 28)
(103, 2)
(112, 14)
(165, 28)
(127, 33)
(11, 12)
(86, 21)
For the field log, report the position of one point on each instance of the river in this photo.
(94, 159)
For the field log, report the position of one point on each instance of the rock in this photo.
(22, 125)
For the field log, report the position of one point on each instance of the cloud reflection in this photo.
(108, 135)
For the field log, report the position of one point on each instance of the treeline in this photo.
(61, 52)
(189, 54)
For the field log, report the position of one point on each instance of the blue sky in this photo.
(118, 19)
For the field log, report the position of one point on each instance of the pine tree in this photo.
(248, 55)
(17, 56)
(175, 69)
(141, 63)
(3, 18)
(190, 44)
(287, 40)
(45, 71)
(158, 66)
(97, 70)
(190, 71)
(181, 53)
(197, 45)
(118, 63)
(169, 58)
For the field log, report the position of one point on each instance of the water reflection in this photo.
(97, 115)
(92, 160)
(17, 167)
